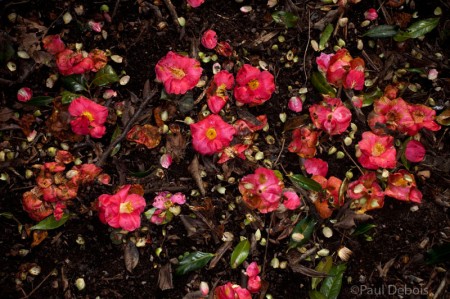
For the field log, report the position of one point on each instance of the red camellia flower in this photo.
(423, 117)
(230, 152)
(376, 151)
(261, 190)
(178, 73)
(291, 199)
(224, 49)
(254, 280)
(402, 186)
(316, 166)
(253, 86)
(216, 94)
(90, 117)
(24, 94)
(304, 142)
(338, 67)
(331, 116)
(209, 39)
(36, 208)
(195, 3)
(121, 209)
(355, 76)
(53, 44)
(415, 151)
(70, 62)
(230, 291)
(211, 135)
(366, 193)
(390, 115)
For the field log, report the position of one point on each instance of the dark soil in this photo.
(83, 248)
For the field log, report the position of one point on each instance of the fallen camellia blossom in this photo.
(36, 208)
(391, 115)
(415, 151)
(295, 104)
(247, 127)
(178, 73)
(147, 135)
(211, 135)
(304, 141)
(328, 200)
(366, 193)
(261, 190)
(423, 117)
(355, 76)
(166, 205)
(371, 14)
(165, 160)
(315, 166)
(70, 62)
(53, 44)
(209, 39)
(231, 152)
(291, 199)
(224, 49)
(253, 86)
(230, 291)
(99, 59)
(331, 116)
(254, 280)
(216, 94)
(195, 3)
(376, 151)
(121, 210)
(402, 186)
(24, 94)
(90, 117)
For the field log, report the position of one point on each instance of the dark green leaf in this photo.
(193, 261)
(303, 182)
(116, 133)
(186, 103)
(240, 253)
(6, 50)
(283, 17)
(51, 223)
(326, 34)
(382, 31)
(331, 286)
(405, 161)
(316, 295)
(321, 85)
(417, 29)
(363, 228)
(74, 83)
(40, 101)
(438, 254)
(68, 97)
(302, 232)
(324, 266)
(105, 76)
(371, 96)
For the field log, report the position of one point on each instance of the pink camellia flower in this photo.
(99, 59)
(371, 14)
(261, 190)
(304, 141)
(211, 135)
(291, 199)
(95, 26)
(415, 151)
(209, 39)
(315, 166)
(355, 76)
(178, 73)
(230, 291)
(167, 205)
(254, 280)
(53, 44)
(402, 186)
(216, 94)
(252, 270)
(376, 151)
(121, 210)
(295, 104)
(323, 62)
(423, 117)
(195, 3)
(331, 116)
(389, 115)
(253, 86)
(338, 67)
(90, 117)
(24, 94)
(58, 210)
(70, 62)
(366, 193)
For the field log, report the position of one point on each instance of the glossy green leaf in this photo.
(438, 254)
(74, 83)
(321, 85)
(444, 118)
(116, 133)
(67, 97)
(417, 29)
(303, 182)
(105, 76)
(302, 232)
(382, 31)
(314, 294)
(331, 285)
(193, 261)
(371, 96)
(325, 36)
(288, 19)
(363, 228)
(240, 253)
(323, 266)
(51, 223)
(40, 101)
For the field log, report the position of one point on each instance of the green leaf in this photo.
(363, 228)
(240, 253)
(321, 85)
(405, 161)
(371, 96)
(326, 34)
(302, 232)
(68, 97)
(105, 76)
(438, 254)
(193, 261)
(287, 18)
(444, 118)
(313, 294)
(40, 101)
(74, 83)
(324, 266)
(142, 174)
(6, 50)
(7, 215)
(116, 133)
(331, 286)
(303, 182)
(382, 31)
(417, 29)
(51, 223)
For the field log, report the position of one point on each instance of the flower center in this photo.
(88, 115)
(221, 90)
(126, 208)
(177, 73)
(378, 149)
(418, 117)
(211, 133)
(253, 84)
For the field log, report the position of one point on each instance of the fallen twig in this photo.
(173, 12)
(39, 285)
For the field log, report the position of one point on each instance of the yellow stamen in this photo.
(177, 73)
(221, 90)
(378, 149)
(88, 115)
(253, 84)
(211, 133)
(126, 207)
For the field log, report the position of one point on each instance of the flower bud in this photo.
(24, 94)
(165, 160)
(204, 288)
(371, 14)
(295, 104)
(80, 284)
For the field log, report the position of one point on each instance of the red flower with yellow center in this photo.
(376, 151)
(253, 86)
(217, 93)
(90, 117)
